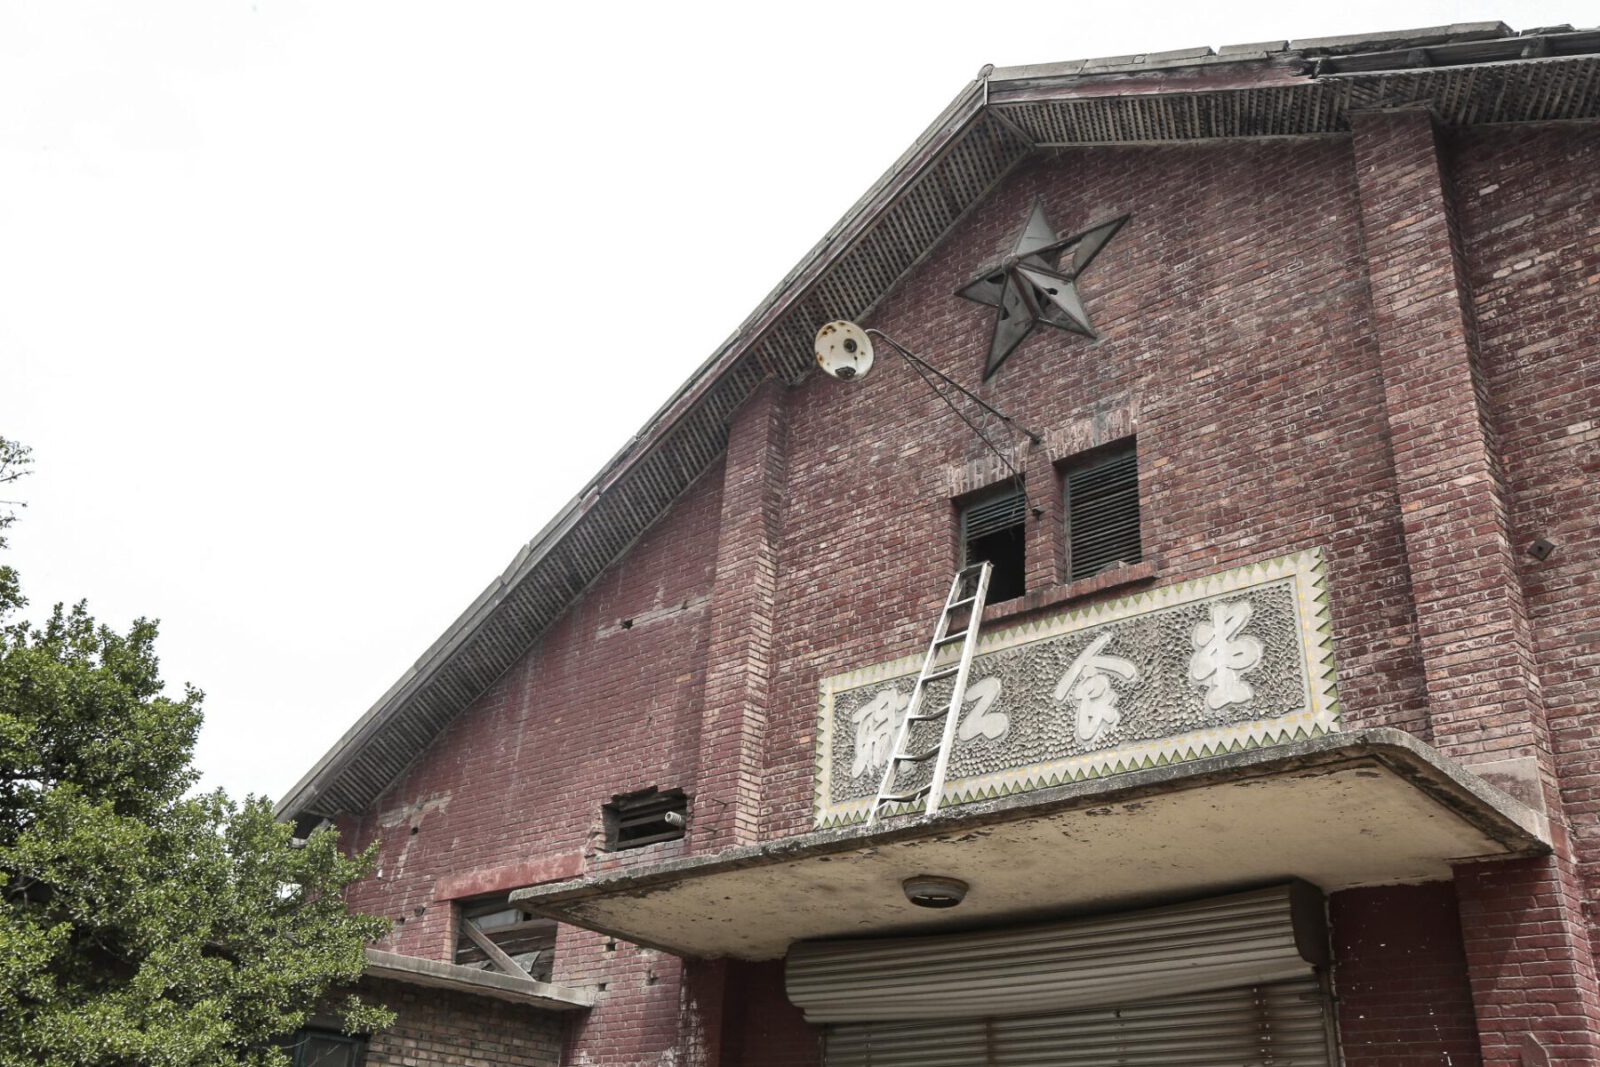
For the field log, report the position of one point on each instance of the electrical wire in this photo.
(924, 369)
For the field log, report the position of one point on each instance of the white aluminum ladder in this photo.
(976, 575)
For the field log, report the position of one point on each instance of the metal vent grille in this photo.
(1103, 512)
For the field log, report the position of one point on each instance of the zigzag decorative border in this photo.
(1319, 716)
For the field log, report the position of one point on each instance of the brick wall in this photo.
(1236, 341)
(1258, 336)
(435, 1028)
(607, 702)
(1530, 219)
(743, 620)
(760, 1027)
(1529, 953)
(1400, 977)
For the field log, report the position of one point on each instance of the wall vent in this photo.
(646, 817)
(1103, 511)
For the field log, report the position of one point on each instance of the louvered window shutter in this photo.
(1103, 512)
(993, 515)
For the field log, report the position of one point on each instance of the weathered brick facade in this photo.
(1379, 343)
(440, 1029)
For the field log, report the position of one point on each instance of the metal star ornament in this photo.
(1030, 286)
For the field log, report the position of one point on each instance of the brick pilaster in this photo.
(1529, 962)
(738, 664)
(1472, 625)
(1530, 967)
(1046, 551)
(700, 1018)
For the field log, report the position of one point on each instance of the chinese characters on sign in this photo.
(1223, 654)
(1241, 657)
(876, 724)
(1087, 684)
(1088, 688)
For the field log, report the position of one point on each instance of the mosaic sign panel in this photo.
(1238, 660)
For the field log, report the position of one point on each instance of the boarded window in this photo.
(1103, 511)
(995, 528)
(527, 940)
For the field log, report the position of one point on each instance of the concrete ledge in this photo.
(414, 970)
(1370, 807)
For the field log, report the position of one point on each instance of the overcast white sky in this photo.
(314, 313)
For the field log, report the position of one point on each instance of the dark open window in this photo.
(525, 939)
(1103, 510)
(643, 818)
(994, 527)
(325, 1048)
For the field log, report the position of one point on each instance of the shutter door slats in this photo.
(1245, 939)
(908, 1045)
(1036, 976)
(1278, 1025)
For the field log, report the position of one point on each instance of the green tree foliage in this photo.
(140, 925)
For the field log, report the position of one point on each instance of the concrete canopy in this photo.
(1362, 808)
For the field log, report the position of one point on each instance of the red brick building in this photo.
(1280, 745)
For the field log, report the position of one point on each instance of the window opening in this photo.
(995, 528)
(1103, 511)
(509, 939)
(634, 820)
(325, 1048)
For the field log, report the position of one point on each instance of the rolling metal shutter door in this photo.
(1247, 939)
(1281, 1025)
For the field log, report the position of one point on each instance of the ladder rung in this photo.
(955, 600)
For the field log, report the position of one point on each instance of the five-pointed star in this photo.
(1030, 287)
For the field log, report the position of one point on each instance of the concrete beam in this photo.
(435, 974)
